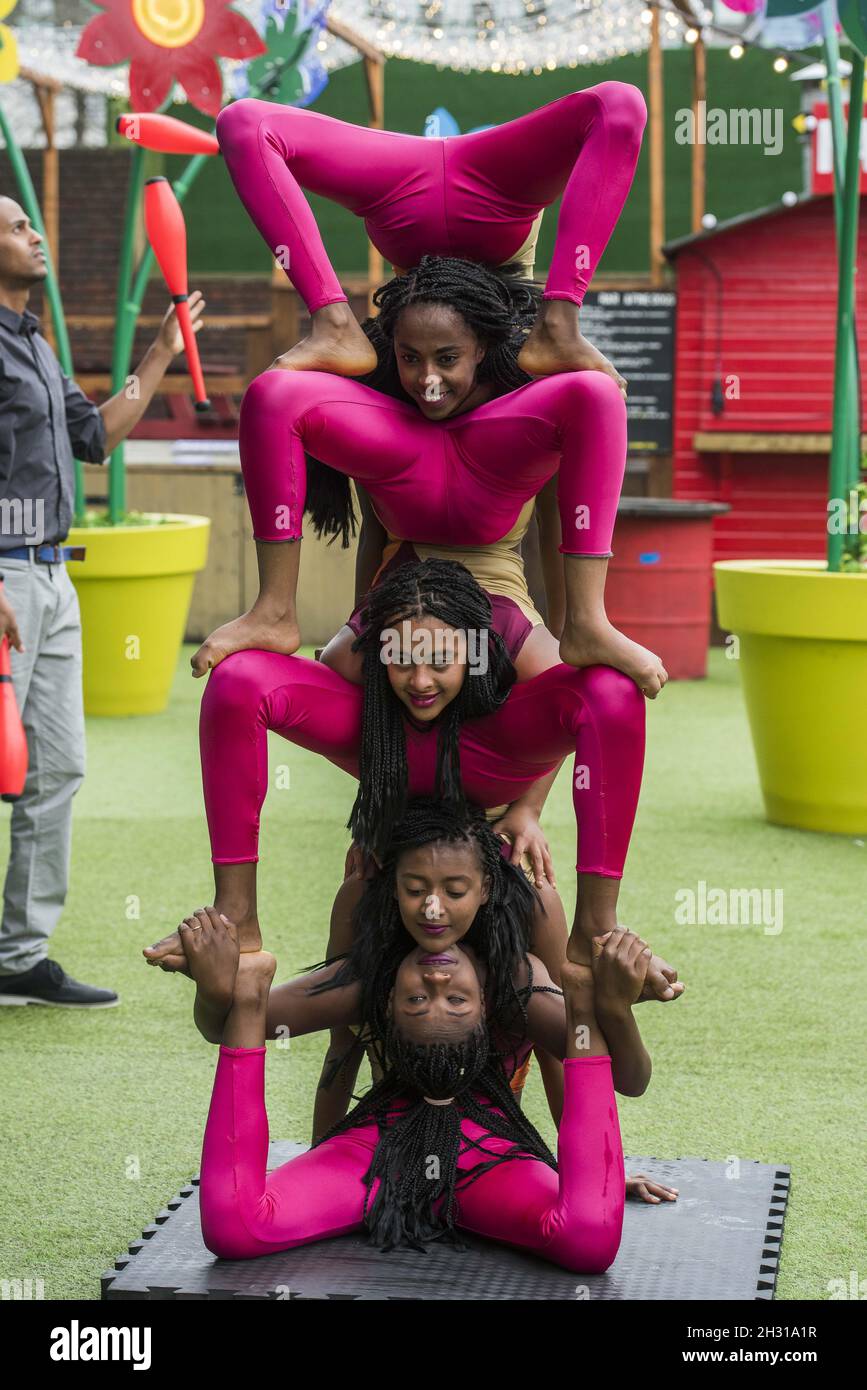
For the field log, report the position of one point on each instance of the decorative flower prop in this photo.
(168, 41)
(8, 44)
(291, 71)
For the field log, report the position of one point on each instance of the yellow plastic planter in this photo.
(803, 663)
(134, 589)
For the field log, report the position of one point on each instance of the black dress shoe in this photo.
(48, 983)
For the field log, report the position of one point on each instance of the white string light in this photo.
(516, 37)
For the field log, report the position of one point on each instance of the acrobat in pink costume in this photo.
(474, 196)
(596, 713)
(458, 481)
(572, 1217)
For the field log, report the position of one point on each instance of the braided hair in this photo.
(500, 307)
(433, 588)
(416, 1156)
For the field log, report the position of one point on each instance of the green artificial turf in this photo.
(762, 1058)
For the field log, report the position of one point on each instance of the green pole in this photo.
(840, 444)
(119, 362)
(52, 289)
(838, 142)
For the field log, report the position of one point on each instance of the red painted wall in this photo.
(767, 319)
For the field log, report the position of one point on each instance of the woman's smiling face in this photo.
(437, 356)
(426, 663)
(439, 889)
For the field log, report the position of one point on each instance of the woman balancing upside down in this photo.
(425, 721)
(452, 472)
(448, 1032)
(478, 196)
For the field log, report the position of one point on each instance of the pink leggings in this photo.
(459, 481)
(572, 1217)
(473, 196)
(596, 713)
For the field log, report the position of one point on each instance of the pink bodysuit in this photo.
(475, 196)
(596, 714)
(459, 481)
(572, 1217)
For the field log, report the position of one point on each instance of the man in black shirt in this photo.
(45, 422)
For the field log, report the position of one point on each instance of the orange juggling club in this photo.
(165, 133)
(13, 741)
(167, 234)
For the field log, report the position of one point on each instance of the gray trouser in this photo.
(46, 678)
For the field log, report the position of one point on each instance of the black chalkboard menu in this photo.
(635, 330)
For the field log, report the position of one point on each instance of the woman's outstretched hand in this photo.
(641, 1188)
(520, 826)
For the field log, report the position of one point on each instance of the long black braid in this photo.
(416, 1156)
(432, 588)
(498, 306)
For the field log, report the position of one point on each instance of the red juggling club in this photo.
(165, 133)
(13, 740)
(167, 234)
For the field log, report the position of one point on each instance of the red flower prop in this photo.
(168, 41)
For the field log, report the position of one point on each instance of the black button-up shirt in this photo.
(46, 422)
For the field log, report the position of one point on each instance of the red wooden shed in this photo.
(753, 375)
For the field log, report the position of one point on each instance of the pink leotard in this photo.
(474, 196)
(572, 1217)
(458, 481)
(596, 713)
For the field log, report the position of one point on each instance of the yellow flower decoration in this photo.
(8, 44)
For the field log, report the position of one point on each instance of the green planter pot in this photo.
(803, 661)
(134, 588)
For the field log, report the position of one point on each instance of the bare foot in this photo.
(660, 982)
(245, 1023)
(336, 343)
(560, 346)
(607, 647)
(169, 953)
(210, 946)
(577, 977)
(254, 629)
(255, 973)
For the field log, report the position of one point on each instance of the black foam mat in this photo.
(719, 1241)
